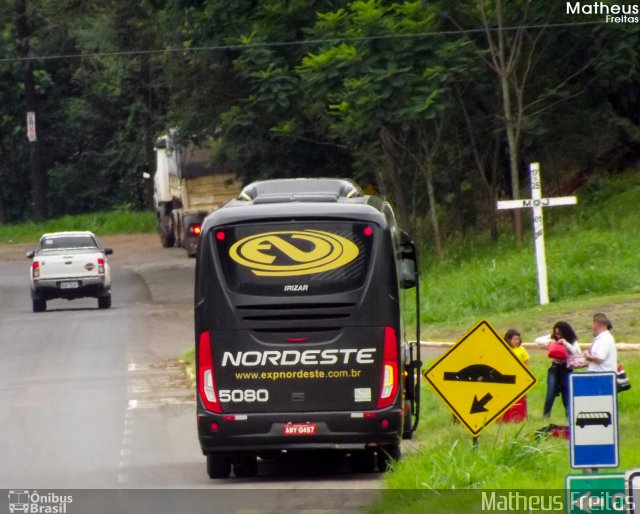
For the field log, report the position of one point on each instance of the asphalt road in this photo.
(93, 398)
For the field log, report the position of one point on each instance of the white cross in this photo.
(537, 203)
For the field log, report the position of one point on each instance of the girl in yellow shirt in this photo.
(518, 411)
(514, 339)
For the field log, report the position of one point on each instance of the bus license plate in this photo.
(69, 285)
(300, 429)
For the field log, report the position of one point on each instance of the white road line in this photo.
(138, 388)
(154, 403)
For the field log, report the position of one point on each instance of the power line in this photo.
(277, 44)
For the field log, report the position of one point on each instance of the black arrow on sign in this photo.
(479, 405)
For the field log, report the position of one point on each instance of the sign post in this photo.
(593, 420)
(537, 203)
(479, 378)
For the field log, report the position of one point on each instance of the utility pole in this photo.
(38, 174)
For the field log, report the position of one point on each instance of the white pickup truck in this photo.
(70, 265)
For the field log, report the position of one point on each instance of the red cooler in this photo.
(517, 413)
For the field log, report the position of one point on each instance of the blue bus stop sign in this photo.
(593, 420)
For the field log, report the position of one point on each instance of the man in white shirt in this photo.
(602, 356)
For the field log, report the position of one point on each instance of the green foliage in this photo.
(442, 462)
(91, 112)
(400, 95)
(591, 249)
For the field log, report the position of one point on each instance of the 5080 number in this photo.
(243, 395)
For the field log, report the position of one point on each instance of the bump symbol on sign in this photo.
(479, 378)
(480, 373)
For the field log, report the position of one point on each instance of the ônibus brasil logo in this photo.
(290, 253)
(33, 502)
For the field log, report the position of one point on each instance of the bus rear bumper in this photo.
(323, 431)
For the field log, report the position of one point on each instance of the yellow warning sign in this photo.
(479, 377)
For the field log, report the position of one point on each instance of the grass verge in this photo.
(591, 253)
(101, 223)
(508, 456)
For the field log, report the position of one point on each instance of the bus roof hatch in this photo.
(299, 190)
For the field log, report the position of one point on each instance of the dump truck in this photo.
(186, 188)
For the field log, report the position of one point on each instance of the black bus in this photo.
(299, 329)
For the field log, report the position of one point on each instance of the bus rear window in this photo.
(284, 259)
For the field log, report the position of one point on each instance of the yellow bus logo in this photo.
(289, 253)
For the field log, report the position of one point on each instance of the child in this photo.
(514, 339)
(518, 411)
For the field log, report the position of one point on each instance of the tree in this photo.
(250, 95)
(15, 191)
(394, 94)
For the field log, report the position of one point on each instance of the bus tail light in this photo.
(36, 269)
(207, 382)
(389, 379)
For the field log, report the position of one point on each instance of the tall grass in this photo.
(102, 223)
(592, 254)
(591, 250)
(508, 456)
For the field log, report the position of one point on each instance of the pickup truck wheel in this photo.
(218, 466)
(104, 302)
(39, 305)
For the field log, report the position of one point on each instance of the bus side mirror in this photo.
(408, 274)
(408, 262)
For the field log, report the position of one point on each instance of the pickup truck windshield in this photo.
(67, 242)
